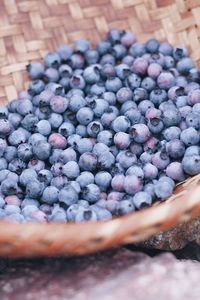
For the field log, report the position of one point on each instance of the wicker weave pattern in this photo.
(31, 28)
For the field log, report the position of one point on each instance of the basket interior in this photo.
(29, 29)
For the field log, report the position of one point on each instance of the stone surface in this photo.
(177, 237)
(117, 274)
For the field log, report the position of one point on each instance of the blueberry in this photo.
(140, 66)
(163, 189)
(59, 104)
(84, 115)
(43, 127)
(175, 148)
(59, 181)
(124, 94)
(99, 148)
(66, 129)
(192, 150)
(71, 169)
(55, 156)
(85, 216)
(66, 155)
(64, 51)
(165, 80)
(73, 210)
(91, 193)
(165, 48)
(88, 161)
(135, 170)
(126, 158)
(8, 187)
(144, 105)
(42, 150)
(36, 164)
(5, 127)
(123, 71)
(35, 70)
(29, 202)
(56, 169)
(171, 117)
(169, 62)
(122, 140)
(55, 120)
(150, 190)
(191, 164)
(110, 98)
(179, 53)
(136, 148)
(125, 207)
(34, 189)
(150, 171)
(25, 152)
(113, 84)
(132, 184)
(105, 160)
(190, 136)
(91, 56)
(103, 180)
(172, 133)
(134, 115)
(160, 160)
(3, 174)
(35, 138)
(148, 83)
(24, 107)
(45, 176)
(154, 70)
(145, 157)
(105, 136)
(68, 195)
(11, 209)
(85, 178)
(194, 96)
(108, 117)
(137, 49)
(51, 75)
(157, 96)
(126, 106)
(117, 183)
(81, 130)
(121, 123)
(133, 81)
(17, 166)
(58, 141)
(155, 125)
(142, 199)
(58, 215)
(140, 133)
(175, 171)
(139, 94)
(94, 128)
(14, 119)
(103, 47)
(50, 194)
(52, 60)
(102, 213)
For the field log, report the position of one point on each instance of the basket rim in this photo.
(50, 239)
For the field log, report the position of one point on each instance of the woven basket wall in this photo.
(31, 28)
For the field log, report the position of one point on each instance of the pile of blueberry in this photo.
(100, 132)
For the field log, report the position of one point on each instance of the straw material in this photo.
(31, 28)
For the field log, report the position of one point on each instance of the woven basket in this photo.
(31, 28)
